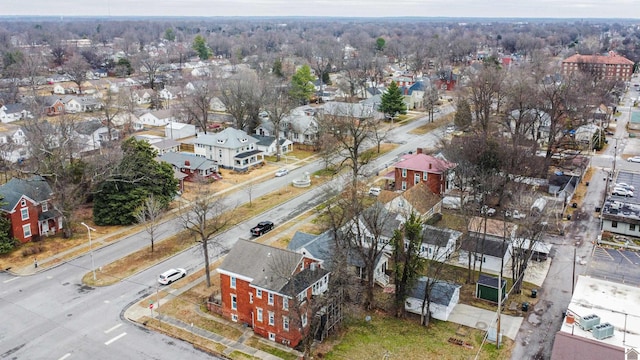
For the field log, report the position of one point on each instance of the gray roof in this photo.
(441, 291)
(13, 108)
(385, 221)
(267, 140)
(438, 237)
(356, 110)
(229, 138)
(178, 160)
(491, 247)
(36, 188)
(490, 281)
(268, 267)
(165, 144)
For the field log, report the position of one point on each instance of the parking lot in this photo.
(620, 266)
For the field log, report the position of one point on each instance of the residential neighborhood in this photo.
(452, 189)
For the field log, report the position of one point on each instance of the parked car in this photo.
(625, 186)
(171, 275)
(635, 159)
(622, 192)
(282, 172)
(515, 214)
(374, 191)
(488, 210)
(450, 129)
(262, 228)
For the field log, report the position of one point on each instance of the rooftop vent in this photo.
(603, 331)
(588, 322)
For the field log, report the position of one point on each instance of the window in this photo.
(285, 323)
(416, 178)
(425, 175)
(233, 282)
(301, 297)
(234, 317)
(272, 318)
(25, 213)
(632, 227)
(23, 202)
(404, 173)
(234, 302)
(259, 316)
(26, 230)
(250, 298)
(259, 293)
(285, 304)
(614, 224)
(404, 185)
(272, 336)
(45, 207)
(304, 320)
(270, 301)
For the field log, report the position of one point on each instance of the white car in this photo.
(171, 275)
(635, 159)
(282, 172)
(488, 210)
(514, 214)
(622, 192)
(374, 191)
(625, 186)
(450, 129)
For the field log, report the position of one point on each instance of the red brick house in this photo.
(270, 289)
(53, 105)
(27, 205)
(415, 168)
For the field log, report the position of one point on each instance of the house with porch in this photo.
(270, 290)
(300, 126)
(52, 106)
(13, 112)
(413, 169)
(268, 145)
(322, 248)
(27, 203)
(195, 167)
(230, 148)
(374, 227)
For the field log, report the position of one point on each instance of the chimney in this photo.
(419, 151)
(430, 165)
(187, 163)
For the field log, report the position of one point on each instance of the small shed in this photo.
(487, 288)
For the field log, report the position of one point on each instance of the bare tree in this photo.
(484, 92)
(149, 215)
(278, 104)
(196, 105)
(238, 94)
(150, 66)
(77, 68)
(207, 215)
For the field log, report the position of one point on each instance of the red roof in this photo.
(423, 162)
(598, 59)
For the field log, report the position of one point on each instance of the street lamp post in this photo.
(93, 266)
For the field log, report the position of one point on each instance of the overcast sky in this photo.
(349, 8)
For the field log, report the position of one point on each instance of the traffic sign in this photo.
(151, 306)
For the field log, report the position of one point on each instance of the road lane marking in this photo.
(65, 356)
(115, 338)
(113, 328)
(10, 280)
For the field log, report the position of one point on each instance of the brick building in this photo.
(610, 67)
(413, 169)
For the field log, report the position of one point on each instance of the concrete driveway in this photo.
(482, 319)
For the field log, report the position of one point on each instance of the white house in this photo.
(231, 148)
(493, 254)
(156, 118)
(268, 145)
(438, 244)
(175, 130)
(13, 112)
(376, 226)
(300, 126)
(321, 247)
(443, 298)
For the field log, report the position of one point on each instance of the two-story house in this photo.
(231, 148)
(271, 290)
(13, 112)
(415, 168)
(27, 205)
(488, 241)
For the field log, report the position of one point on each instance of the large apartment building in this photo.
(610, 67)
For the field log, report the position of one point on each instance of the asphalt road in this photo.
(52, 315)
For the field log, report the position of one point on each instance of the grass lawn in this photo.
(406, 339)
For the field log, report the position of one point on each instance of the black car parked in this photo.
(261, 228)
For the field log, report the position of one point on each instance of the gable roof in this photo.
(179, 160)
(355, 110)
(264, 140)
(377, 215)
(491, 247)
(424, 162)
(229, 138)
(438, 237)
(13, 108)
(494, 227)
(441, 291)
(36, 188)
(421, 197)
(598, 59)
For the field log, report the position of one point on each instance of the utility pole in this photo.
(499, 310)
(573, 274)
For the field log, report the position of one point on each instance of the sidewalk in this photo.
(100, 242)
(136, 313)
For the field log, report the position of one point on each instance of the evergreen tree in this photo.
(462, 119)
(169, 34)
(201, 48)
(137, 177)
(7, 243)
(380, 43)
(277, 68)
(302, 84)
(392, 102)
